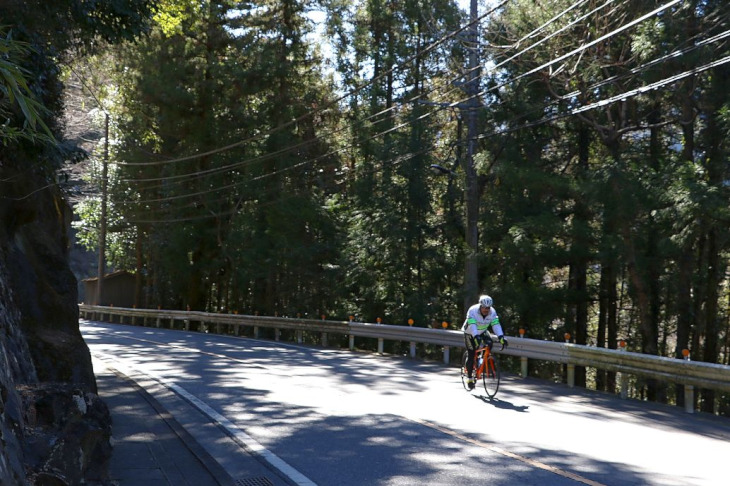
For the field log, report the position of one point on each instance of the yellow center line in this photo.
(499, 450)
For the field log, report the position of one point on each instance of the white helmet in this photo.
(485, 301)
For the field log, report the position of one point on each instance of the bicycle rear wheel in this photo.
(464, 374)
(490, 377)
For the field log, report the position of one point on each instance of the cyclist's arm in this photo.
(496, 328)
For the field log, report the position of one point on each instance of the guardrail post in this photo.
(256, 333)
(571, 367)
(352, 338)
(447, 357)
(300, 337)
(380, 345)
(187, 324)
(571, 375)
(412, 343)
(624, 379)
(689, 390)
(689, 398)
(324, 335)
(523, 359)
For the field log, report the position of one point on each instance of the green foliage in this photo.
(15, 93)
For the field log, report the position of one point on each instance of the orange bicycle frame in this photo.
(485, 352)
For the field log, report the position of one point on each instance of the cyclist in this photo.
(480, 318)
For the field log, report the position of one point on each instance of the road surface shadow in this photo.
(503, 404)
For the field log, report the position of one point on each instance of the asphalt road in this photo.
(334, 417)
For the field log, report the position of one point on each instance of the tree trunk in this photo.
(578, 274)
(716, 162)
(138, 280)
(684, 308)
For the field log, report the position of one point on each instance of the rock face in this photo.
(66, 435)
(54, 429)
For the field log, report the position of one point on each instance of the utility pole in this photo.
(470, 111)
(102, 224)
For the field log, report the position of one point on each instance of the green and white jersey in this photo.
(476, 323)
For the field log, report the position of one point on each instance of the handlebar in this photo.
(488, 345)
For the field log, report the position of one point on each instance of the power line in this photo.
(545, 120)
(581, 48)
(187, 176)
(352, 92)
(573, 112)
(422, 117)
(395, 161)
(652, 86)
(613, 99)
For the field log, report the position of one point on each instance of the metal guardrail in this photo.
(688, 373)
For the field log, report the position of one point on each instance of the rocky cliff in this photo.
(54, 428)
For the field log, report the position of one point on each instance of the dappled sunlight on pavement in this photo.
(344, 417)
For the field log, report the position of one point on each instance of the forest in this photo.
(394, 159)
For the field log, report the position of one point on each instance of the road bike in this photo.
(486, 368)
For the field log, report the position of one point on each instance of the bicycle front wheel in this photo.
(464, 374)
(490, 377)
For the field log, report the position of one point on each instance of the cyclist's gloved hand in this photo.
(503, 341)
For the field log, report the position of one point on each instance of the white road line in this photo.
(242, 438)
